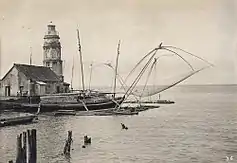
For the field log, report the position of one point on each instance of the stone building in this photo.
(32, 80)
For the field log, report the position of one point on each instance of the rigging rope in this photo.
(148, 76)
(189, 54)
(180, 57)
(139, 76)
(140, 62)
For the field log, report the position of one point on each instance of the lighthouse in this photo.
(52, 56)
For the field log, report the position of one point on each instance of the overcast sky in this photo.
(206, 28)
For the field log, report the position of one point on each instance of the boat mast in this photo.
(72, 72)
(82, 71)
(116, 68)
(91, 66)
(30, 55)
(0, 56)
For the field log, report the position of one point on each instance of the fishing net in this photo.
(144, 69)
(153, 90)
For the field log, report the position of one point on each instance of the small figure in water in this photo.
(123, 126)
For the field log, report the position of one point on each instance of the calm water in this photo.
(200, 127)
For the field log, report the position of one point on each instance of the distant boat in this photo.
(159, 101)
(113, 112)
(19, 120)
(164, 101)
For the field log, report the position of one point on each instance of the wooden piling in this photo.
(67, 147)
(24, 148)
(34, 146)
(19, 149)
(29, 145)
(87, 140)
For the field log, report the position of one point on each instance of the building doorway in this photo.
(7, 90)
(21, 90)
(58, 89)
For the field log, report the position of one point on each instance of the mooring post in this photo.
(34, 146)
(67, 147)
(24, 148)
(87, 140)
(19, 149)
(29, 146)
(21, 145)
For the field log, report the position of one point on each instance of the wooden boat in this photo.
(19, 120)
(64, 112)
(86, 104)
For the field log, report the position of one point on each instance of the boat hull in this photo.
(16, 121)
(47, 107)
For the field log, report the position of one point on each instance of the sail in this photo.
(159, 90)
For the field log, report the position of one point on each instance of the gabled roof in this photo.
(36, 73)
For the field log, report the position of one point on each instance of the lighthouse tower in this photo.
(52, 51)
